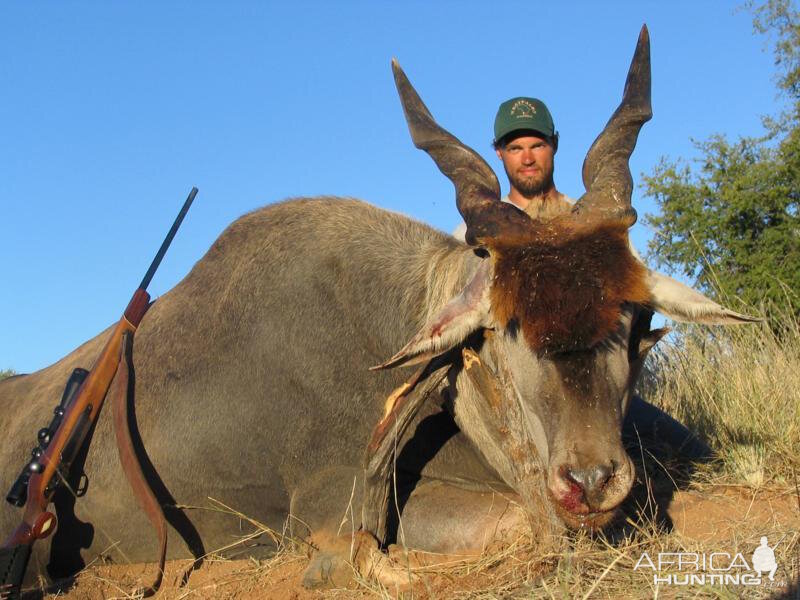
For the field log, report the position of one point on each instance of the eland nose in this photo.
(591, 481)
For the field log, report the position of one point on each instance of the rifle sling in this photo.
(121, 397)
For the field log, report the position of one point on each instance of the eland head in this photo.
(565, 306)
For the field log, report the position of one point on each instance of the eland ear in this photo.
(451, 325)
(650, 339)
(685, 305)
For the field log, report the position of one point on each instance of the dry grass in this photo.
(593, 566)
(739, 389)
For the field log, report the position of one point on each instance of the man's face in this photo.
(528, 161)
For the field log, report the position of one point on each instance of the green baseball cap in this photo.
(522, 113)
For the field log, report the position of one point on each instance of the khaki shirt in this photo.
(537, 209)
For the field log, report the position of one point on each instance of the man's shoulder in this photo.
(460, 232)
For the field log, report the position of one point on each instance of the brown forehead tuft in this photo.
(567, 284)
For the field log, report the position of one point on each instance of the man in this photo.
(526, 141)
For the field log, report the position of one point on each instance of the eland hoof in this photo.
(328, 570)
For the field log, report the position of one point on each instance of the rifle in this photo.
(61, 441)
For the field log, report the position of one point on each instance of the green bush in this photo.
(731, 222)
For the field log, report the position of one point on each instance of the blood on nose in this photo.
(591, 480)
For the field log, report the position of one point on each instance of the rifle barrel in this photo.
(167, 241)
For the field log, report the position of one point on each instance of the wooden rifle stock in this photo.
(37, 521)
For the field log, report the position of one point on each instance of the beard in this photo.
(533, 186)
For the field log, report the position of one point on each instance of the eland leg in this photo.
(440, 523)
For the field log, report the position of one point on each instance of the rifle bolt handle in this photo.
(35, 467)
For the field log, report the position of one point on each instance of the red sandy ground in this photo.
(706, 518)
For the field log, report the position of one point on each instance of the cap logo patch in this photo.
(522, 109)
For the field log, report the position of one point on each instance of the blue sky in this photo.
(112, 111)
